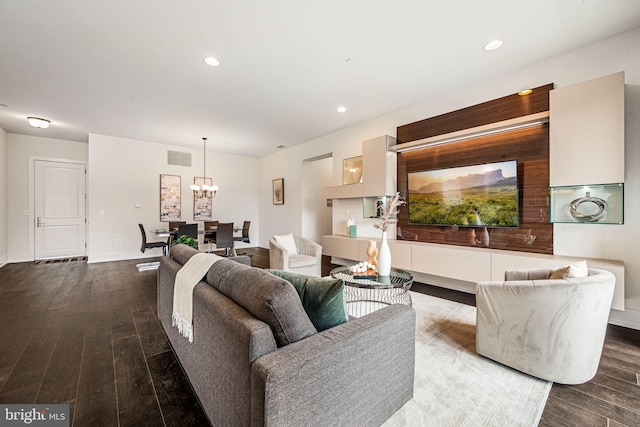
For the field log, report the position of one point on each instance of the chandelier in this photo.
(204, 190)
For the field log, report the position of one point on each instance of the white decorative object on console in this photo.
(384, 257)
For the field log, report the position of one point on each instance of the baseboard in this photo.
(444, 282)
(19, 257)
(628, 318)
(123, 256)
(4, 260)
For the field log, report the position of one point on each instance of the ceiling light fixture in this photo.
(341, 109)
(525, 92)
(208, 191)
(39, 123)
(493, 45)
(210, 60)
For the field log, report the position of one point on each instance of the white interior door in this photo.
(59, 209)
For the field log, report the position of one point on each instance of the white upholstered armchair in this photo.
(553, 329)
(295, 254)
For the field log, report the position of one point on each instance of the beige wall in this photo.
(123, 181)
(3, 197)
(22, 151)
(124, 184)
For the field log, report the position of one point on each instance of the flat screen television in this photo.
(484, 195)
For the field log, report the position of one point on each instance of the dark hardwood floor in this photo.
(88, 335)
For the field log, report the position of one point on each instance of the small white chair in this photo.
(295, 254)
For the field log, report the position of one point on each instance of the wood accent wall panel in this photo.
(505, 108)
(529, 146)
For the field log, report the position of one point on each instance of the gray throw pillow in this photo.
(322, 299)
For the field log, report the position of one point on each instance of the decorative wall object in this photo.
(278, 191)
(170, 202)
(352, 170)
(203, 200)
(588, 204)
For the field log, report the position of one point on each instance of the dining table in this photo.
(163, 232)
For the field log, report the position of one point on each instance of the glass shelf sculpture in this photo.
(588, 204)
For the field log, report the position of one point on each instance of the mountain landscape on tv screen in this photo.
(475, 199)
(487, 179)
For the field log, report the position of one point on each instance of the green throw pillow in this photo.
(322, 299)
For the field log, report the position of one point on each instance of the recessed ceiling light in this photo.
(493, 45)
(210, 60)
(39, 123)
(341, 109)
(525, 92)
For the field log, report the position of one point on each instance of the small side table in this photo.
(364, 296)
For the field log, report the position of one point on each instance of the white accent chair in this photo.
(295, 254)
(552, 329)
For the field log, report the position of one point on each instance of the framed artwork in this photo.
(170, 202)
(278, 191)
(352, 170)
(203, 205)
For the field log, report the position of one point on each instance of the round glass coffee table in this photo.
(364, 296)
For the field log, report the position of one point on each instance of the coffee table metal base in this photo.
(366, 295)
(362, 301)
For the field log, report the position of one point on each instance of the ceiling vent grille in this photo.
(178, 158)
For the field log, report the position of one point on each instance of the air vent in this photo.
(178, 158)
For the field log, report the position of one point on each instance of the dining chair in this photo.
(245, 233)
(189, 230)
(224, 238)
(151, 245)
(173, 225)
(210, 229)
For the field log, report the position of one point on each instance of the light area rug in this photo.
(454, 386)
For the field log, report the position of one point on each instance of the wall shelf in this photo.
(461, 135)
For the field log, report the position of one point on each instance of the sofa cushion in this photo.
(296, 261)
(322, 298)
(267, 297)
(574, 270)
(578, 269)
(288, 242)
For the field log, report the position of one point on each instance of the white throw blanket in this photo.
(186, 279)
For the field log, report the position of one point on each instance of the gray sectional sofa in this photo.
(255, 361)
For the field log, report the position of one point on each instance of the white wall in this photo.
(615, 54)
(124, 182)
(316, 215)
(22, 151)
(3, 197)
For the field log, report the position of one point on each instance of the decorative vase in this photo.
(384, 257)
(372, 252)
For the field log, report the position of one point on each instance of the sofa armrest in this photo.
(278, 256)
(358, 373)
